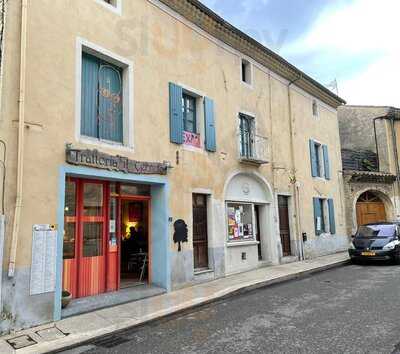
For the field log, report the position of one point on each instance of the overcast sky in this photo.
(354, 41)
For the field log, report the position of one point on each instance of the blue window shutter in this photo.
(209, 116)
(90, 79)
(332, 224)
(175, 114)
(317, 214)
(313, 158)
(327, 168)
(110, 103)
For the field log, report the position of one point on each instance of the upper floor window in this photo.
(315, 108)
(247, 72)
(324, 216)
(189, 113)
(185, 110)
(246, 128)
(319, 156)
(101, 99)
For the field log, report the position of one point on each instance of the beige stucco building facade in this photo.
(251, 177)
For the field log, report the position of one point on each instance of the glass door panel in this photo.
(92, 239)
(93, 199)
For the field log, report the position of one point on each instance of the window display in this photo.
(240, 222)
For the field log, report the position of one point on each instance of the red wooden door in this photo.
(85, 237)
(92, 234)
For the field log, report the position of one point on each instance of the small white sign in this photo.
(112, 226)
(318, 223)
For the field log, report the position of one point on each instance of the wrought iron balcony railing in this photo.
(253, 148)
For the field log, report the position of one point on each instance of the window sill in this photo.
(249, 86)
(322, 179)
(203, 271)
(105, 144)
(193, 148)
(241, 243)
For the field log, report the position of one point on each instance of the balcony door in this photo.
(246, 136)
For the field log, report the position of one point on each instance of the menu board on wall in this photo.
(44, 253)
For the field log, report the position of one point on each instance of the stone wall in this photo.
(356, 129)
(354, 190)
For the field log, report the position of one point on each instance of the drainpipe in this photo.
(296, 191)
(396, 155)
(376, 143)
(21, 127)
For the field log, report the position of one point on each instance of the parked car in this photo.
(378, 241)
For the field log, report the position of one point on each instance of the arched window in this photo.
(369, 197)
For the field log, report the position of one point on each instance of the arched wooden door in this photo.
(370, 209)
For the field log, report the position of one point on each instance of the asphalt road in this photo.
(352, 309)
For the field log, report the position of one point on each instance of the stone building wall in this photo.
(353, 191)
(357, 132)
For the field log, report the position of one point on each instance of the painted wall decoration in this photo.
(181, 233)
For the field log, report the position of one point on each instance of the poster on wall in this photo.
(240, 220)
(231, 217)
(43, 266)
(238, 216)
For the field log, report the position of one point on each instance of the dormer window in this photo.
(247, 72)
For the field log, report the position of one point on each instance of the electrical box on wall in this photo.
(244, 256)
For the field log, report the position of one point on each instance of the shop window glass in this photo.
(69, 241)
(92, 239)
(113, 188)
(93, 199)
(113, 222)
(70, 198)
(135, 189)
(70, 220)
(240, 222)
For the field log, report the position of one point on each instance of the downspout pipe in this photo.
(296, 191)
(21, 137)
(396, 153)
(3, 186)
(376, 142)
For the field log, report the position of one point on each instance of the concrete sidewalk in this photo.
(74, 330)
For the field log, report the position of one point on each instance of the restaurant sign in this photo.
(97, 159)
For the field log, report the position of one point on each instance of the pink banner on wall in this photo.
(191, 139)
